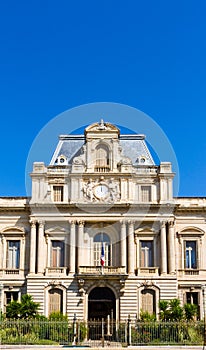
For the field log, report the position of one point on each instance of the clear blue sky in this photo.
(150, 55)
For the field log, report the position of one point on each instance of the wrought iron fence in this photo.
(101, 332)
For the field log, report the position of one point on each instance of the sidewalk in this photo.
(143, 347)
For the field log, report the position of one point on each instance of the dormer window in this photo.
(61, 160)
(102, 163)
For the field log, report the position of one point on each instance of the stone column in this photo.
(32, 247)
(41, 250)
(72, 247)
(131, 247)
(163, 258)
(123, 245)
(81, 257)
(171, 248)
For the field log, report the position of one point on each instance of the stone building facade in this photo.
(102, 196)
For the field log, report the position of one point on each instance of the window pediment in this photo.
(191, 231)
(57, 230)
(145, 231)
(13, 231)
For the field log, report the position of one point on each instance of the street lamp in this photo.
(203, 287)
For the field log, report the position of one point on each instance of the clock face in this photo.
(101, 191)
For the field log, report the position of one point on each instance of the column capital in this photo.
(32, 222)
(123, 222)
(72, 222)
(171, 223)
(81, 223)
(41, 224)
(131, 222)
(163, 224)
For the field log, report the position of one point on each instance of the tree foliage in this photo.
(173, 311)
(25, 309)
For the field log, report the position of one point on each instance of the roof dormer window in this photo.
(102, 161)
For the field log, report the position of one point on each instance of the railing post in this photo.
(75, 330)
(204, 313)
(125, 332)
(1, 299)
(102, 332)
(129, 331)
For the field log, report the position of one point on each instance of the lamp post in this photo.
(203, 287)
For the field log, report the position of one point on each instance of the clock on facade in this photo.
(101, 191)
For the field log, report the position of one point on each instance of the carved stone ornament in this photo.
(54, 283)
(147, 284)
(81, 286)
(101, 190)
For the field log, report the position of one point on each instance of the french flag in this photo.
(102, 258)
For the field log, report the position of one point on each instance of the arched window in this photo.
(102, 159)
(102, 240)
(55, 300)
(148, 301)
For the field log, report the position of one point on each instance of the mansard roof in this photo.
(133, 145)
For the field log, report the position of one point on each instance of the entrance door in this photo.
(102, 303)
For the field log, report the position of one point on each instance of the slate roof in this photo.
(133, 146)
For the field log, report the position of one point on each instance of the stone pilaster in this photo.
(81, 258)
(72, 262)
(163, 240)
(131, 245)
(32, 247)
(3, 242)
(171, 248)
(41, 250)
(123, 244)
(22, 254)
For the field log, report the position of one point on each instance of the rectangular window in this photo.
(13, 254)
(58, 193)
(11, 296)
(190, 255)
(146, 193)
(57, 254)
(192, 298)
(146, 254)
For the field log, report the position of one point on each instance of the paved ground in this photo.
(49, 347)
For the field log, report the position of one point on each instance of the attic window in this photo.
(58, 193)
(146, 193)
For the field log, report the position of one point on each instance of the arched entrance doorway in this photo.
(101, 304)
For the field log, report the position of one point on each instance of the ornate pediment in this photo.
(102, 129)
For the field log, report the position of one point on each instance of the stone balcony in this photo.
(56, 271)
(99, 270)
(189, 272)
(147, 271)
(12, 273)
